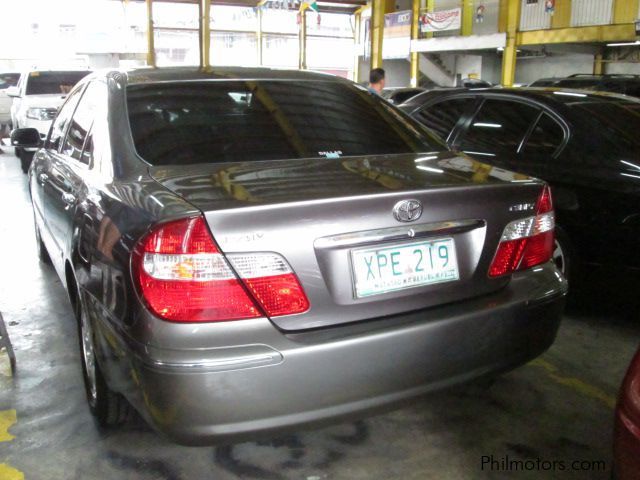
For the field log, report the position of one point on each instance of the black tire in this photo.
(43, 254)
(25, 161)
(108, 407)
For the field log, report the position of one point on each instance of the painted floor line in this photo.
(575, 384)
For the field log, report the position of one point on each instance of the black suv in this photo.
(586, 145)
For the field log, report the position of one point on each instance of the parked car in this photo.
(248, 250)
(7, 79)
(586, 145)
(399, 95)
(619, 83)
(626, 436)
(36, 99)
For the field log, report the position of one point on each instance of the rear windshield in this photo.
(43, 83)
(8, 80)
(230, 121)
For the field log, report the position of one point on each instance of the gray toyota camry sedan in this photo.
(249, 250)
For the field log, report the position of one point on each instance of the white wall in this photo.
(529, 70)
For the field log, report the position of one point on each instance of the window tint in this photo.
(82, 121)
(228, 121)
(580, 84)
(545, 138)
(615, 124)
(442, 117)
(42, 83)
(633, 89)
(499, 127)
(62, 119)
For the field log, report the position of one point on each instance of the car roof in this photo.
(549, 95)
(140, 76)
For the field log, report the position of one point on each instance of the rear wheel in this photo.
(563, 255)
(108, 407)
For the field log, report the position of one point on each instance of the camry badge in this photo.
(407, 210)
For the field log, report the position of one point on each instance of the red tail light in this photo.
(184, 277)
(527, 242)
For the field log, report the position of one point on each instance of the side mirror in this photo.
(25, 138)
(13, 92)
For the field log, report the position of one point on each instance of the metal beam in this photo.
(596, 34)
(205, 33)
(151, 50)
(510, 50)
(415, 35)
(468, 12)
(625, 11)
(357, 19)
(376, 32)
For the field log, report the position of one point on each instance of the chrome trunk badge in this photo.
(407, 210)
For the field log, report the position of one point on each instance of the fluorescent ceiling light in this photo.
(570, 94)
(469, 152)
(425, 159)
(429, 169)
(623, 44)
(487, 125)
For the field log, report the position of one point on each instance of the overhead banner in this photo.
(441, 20)
(397, 34)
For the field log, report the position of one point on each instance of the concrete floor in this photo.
(558, 407)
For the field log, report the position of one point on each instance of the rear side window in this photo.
(499, 127)
(49, 83)
(229, 121)
(545, 137)
(82, 121)
(441, 117)
(61, 121)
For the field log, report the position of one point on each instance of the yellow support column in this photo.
(357, 19)
(562, 16)
(431, 5)
(302, 37)
(598, 64)
(376, 32)
(468, 12)
(205, 33)
(625, 11)
(415, 34)
(259, 35)
(151, 50)
(510, 51)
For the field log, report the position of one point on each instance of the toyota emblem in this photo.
(407, 210)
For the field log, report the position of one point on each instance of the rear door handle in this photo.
(68, 198)
(43, 177)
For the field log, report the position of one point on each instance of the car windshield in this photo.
(43, 83)
(229, 121)
(8, 80)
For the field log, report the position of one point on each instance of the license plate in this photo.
(387, 269)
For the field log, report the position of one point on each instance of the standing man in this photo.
(376, 80)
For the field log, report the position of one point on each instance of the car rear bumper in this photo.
(288, 379)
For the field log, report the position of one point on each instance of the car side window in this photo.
(81, 122)
(59, 124)
(498, 128)
(545, 138)
(441, 117)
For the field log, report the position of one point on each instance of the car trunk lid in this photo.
(320, 214)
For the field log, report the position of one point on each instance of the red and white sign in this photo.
(441, 20)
